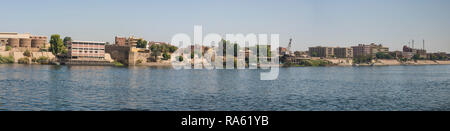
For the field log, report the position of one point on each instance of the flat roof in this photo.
(78, 41)
(9, 33)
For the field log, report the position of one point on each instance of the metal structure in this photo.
(289, 47)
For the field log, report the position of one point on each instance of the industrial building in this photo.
(421, 52)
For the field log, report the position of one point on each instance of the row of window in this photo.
(87, 57)
(87, 49)
(88, 43)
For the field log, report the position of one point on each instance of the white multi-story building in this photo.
(86, 50)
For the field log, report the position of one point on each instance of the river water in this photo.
(385, 88)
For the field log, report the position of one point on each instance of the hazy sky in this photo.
(309, 22)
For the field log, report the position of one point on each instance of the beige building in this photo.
(26, 40)
(339, 52)
(130, 41)
(368, 50)
(343, 52)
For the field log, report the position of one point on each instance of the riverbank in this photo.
(417, 62)
(349, 62)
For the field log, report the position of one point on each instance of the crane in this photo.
(289, 47)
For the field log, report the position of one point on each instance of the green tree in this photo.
(172, 48)
(381, 55)
(155, 50)
(362, 59)
(67, 40)
(56, 44)
(141, 43)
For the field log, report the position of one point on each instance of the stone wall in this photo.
(118, 53)
(23, 49)
(134, 57)
(19, 55)
(45, 54)
(5, 53)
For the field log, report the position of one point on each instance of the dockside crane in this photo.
(289, 47)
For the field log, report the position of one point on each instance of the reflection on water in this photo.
(45, 87)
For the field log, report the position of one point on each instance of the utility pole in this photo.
(423, 44)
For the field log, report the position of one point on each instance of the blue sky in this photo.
(309, 22)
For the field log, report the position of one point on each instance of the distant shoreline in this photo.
(378, 63)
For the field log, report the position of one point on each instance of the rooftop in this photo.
(77, 41)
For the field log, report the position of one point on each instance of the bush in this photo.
(42, 60)
(116, 63)
(24, 60)
(139, 61)
(166, 56)
(305, 63)
(180, 58)
(381, 55)
(362, 59)
(6, 60)
(27, 53)
(8, 48)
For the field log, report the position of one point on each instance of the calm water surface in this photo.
(44, 87)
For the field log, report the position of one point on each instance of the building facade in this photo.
(421, 52)
(120, 41)
(368, 50)
(123, 41)
(339, 52)
(86, 50)
(319, 51)
(342, 52)
(26, 40)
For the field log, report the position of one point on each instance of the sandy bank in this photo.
(388, 62)
(418, 62)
